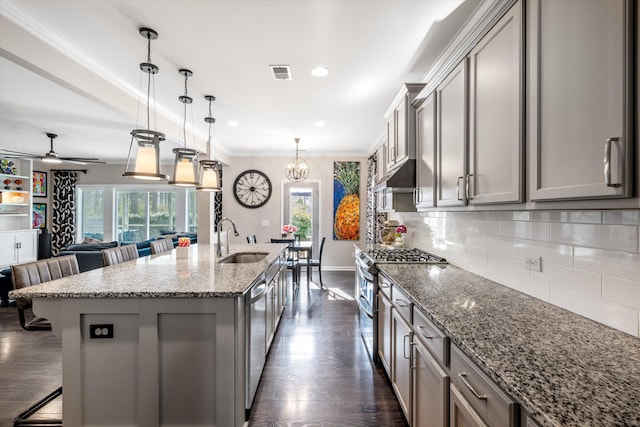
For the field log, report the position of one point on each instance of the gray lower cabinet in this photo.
(384, 331)
(430, 389)
(401, 361)
(580, 95)
(475, 396)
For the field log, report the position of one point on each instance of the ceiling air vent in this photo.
(281, 72)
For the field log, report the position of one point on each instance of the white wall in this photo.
(590, 259)
(338, 254)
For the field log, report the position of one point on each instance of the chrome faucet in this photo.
(235, 231)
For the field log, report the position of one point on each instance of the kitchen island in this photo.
(157, 341)
(562, 369)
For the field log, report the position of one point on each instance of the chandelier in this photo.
(147, 156)
(185, 167)
(297, 169)
(210, 169)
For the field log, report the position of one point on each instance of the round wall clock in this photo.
(252, 188)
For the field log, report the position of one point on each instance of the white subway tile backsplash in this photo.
(615, 237)
(630, 217)
(525, 230)
(622, 291)
(590, 259)
(612, 263)
(603, 311)
(569, 277)
(551, 252)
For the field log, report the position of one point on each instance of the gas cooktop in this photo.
(403, 255)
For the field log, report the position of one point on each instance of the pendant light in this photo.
(297, 169)
(147, 155)
(185, 168)
(210, 169)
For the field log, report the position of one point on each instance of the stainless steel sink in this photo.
(244, 257)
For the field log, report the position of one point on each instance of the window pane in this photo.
(192, 209)
(132, 216)
(301, 212)
(162, 213)
(92, 213)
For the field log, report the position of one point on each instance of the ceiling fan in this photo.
(51, 156)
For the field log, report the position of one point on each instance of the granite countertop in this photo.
(562, 368)
(163, 276)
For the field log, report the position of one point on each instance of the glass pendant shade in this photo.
(147, 157)
(147, 142)
(297, 169)
(185, 168)
(209, 176)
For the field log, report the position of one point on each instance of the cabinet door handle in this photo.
(420, 328)
(404, 347)
(377, 305)
(463, 377)
(607, 161)
(458, 187)
(402, 303)
(466, 186)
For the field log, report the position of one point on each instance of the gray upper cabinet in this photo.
(401, 126)
(451, 136)
(496, 137)
(579, 98)
(425, 153)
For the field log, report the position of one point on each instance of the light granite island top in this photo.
(164, 340)
(564, 369)
(163, 276)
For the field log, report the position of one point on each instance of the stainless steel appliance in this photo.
(256, 339)
(366, 286)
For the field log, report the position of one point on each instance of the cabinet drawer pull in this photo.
(384, 285)
(402, 303)
(463, 377)
(607, 161)
(420, 328)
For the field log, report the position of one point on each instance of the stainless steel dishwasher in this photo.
(256, 339)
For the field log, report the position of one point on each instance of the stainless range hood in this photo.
(400, 179)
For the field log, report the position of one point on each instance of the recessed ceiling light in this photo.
(319, 123)
(232, 123)
(320, 71)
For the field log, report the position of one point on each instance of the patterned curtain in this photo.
(64, 210)
(375, 220)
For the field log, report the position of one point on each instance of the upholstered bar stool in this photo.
(119, 254)
(161, 245)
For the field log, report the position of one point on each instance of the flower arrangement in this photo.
(289, 228)
(400, 230)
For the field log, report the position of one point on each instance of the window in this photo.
(91, 203)
(192, 210)
(143, 214)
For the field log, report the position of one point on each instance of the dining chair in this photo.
(293, 261)
(317, 262)
(34, 273)
(161, 245)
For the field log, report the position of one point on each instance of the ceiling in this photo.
(71, 67)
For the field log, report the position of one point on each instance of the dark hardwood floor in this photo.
(317, 371)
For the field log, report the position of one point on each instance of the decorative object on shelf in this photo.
(8, 167)
(51, 156)
(147, 157)
(17, 199)
(210, 169)
(297, 169)
(252, 188)
(288, 230)
(39, 215)
(39, 187)
(346, 200)
(7, 184)
(185, 166)
(18, 183)
(401, 230)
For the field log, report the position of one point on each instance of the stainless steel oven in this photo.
(366, 286)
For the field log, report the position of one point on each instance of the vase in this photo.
(399, 242)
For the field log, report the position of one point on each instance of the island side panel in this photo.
(165, 353)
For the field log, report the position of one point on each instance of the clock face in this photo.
(252, 188)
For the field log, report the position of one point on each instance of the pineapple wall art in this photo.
(346, 200)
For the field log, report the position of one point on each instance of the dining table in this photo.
(307, 248)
